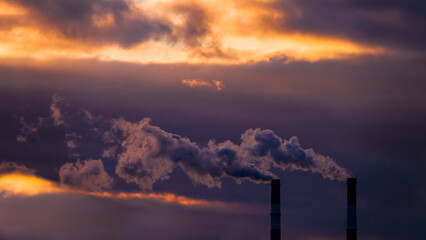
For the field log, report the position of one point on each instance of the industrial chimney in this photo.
(275, 210)
(351, 229)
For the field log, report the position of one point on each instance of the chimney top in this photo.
(275, 182)
(350, 181)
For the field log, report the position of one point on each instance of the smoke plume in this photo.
(150, 154)
(145, 154)
(89, 175)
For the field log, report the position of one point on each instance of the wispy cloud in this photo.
(57, 115)
(56, 111)
(29, 129)
(71, 140)
(197, 83)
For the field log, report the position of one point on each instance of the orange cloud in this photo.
(8, 9)
(180, 31)
(196, 83)
(19, 184)
(27, 185)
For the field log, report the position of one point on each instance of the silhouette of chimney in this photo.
(351, 229)
(275, 210)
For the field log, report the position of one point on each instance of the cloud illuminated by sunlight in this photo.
(238, 32)
(196, 83)
(18, 184)
(7, 9)
(27, 185)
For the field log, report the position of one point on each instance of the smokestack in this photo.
(351, 211)
(275, 210)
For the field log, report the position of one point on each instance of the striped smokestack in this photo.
(275, 210)
(351, 214)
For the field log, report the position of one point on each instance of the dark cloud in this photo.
(196, 23)
(117, 21)
(395, 24)
(391, 24)
(12, 167)
(96, 21)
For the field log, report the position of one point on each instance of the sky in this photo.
(167, 119)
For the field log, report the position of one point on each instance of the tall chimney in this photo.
(351, 229)
(275, 210)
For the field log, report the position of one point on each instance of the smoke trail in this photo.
(89, 175)
(149, 154)
(146, 154)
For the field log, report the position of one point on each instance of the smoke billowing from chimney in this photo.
(146, 154)
(351, 228)
(149, 154)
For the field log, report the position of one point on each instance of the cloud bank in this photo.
(182, 31)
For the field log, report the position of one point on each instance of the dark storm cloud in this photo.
(393, 23)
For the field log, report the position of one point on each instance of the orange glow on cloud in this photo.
(195, 83)
(26, 185)
(237, 34)
(164, 197)
(7, 9)
(18, 184)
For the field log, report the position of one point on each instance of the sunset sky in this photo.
(167, 119)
